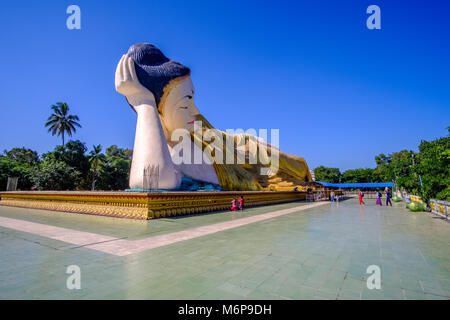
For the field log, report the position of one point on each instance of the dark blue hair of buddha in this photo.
(154, 70)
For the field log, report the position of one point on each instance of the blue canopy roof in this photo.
(357, 185)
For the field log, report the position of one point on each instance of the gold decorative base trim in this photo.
(142, 205)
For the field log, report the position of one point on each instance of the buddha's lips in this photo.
(191, 122)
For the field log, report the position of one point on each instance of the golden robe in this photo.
(292, 170)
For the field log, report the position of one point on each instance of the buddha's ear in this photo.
(163, 124)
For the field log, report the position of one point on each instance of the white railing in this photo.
(440, 207)
(316, 196)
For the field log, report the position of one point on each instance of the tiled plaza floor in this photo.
(317, 253)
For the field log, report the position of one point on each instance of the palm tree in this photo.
(60, 122)
(95, 158)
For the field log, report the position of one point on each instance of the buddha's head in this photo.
(170, 83)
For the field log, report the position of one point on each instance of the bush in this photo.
(397, 199)
(11, 168)
(416, 206)
(55, 175)
(444, 194)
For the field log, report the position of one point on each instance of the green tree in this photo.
(22, 155)
(10, 168)
(382, 160)
(433, 164)
(96, 158)
(72, 154)
(115, 169)
(114, 151)
(358, 175)
(60, 122)
(18, 162)
(403, 172)
(55, 175)
(383, 172)
(324, 174)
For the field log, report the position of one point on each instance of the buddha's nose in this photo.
(193, 110)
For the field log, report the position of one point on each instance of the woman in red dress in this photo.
(241, 203)
(233, 204)
(361, 195)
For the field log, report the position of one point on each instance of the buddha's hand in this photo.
(127, 83)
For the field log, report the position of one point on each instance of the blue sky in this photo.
(339, 93)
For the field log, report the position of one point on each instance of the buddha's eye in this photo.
(189, 97)
(183, 107)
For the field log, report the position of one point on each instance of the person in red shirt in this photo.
(233, 204)
(241, 203)
(361, 195)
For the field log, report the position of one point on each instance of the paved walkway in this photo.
(123, 247)
(289, 251)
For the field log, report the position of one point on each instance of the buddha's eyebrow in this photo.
(186, 96)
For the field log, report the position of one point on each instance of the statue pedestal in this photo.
(145, 206)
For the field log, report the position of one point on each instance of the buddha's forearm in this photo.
(150, 149)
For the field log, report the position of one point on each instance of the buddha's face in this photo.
(178, 110)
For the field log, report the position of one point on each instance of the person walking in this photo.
(241, 203)
(361, 195)
(233, 204)
(388, 198)
(378, 199)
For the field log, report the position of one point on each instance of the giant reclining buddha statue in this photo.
(161, 92)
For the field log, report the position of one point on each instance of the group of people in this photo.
(237, 204)
(334, 197)
(379, 196)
